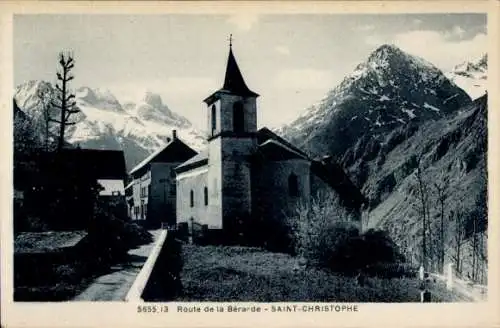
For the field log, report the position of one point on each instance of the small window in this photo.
(205, 194)
(238, 117)
(214, 119)
(191, 198)
(293, 185)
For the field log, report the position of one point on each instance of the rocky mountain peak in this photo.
(483, 62)
(29, 95)
(471, 76)
(153, 99)
(101, 98)
(152, 108)
(389, 89)
(386, 52)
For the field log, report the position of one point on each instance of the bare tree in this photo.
(423, 197)
(65, 101)
(458, 239)
(45, 96)
(441, 189)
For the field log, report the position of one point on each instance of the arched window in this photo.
(213, 119)
(191, 198)
(205, 195)
(293, 185)
(238, 117)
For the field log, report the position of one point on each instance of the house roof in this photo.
(174, 151)
(105, 164)
(101, 164)
(233, 80)
(48, 241)
(196, 161)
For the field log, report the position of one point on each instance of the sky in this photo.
(291, 60)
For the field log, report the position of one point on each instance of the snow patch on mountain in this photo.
(471, 76)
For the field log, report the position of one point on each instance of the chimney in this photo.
(174, 134)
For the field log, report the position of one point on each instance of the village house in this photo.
(246, 173)
(107, 167)
(151, 193)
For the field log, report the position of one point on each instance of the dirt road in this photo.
(114, 286)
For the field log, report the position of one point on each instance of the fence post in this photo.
(421, 273)
(425, 294)
(449, 277)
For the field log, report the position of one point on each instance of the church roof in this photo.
(327, 170)
(275, 151)
(264, 134)
(196, 161)
(332, 173)
(233, 80)
(174, 151)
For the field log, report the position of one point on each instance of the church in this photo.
(247, 175)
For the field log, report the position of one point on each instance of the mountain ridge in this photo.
(389, 89)
(139, 128)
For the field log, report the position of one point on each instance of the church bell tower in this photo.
(232, 128)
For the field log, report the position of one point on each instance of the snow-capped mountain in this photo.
(471, 76)
(396, 112)
(137, 128)
(390, 89)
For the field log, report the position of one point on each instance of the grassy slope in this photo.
(213, 273)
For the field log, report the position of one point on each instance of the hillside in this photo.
(139, 128)
(394, 111)
(453, 154)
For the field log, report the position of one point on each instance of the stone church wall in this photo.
(272, 193)
(236, 182)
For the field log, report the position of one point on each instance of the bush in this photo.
(111, 237)
(373, 252)
(327, 235)
(321, 227)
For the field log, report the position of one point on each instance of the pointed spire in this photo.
(233, 81)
